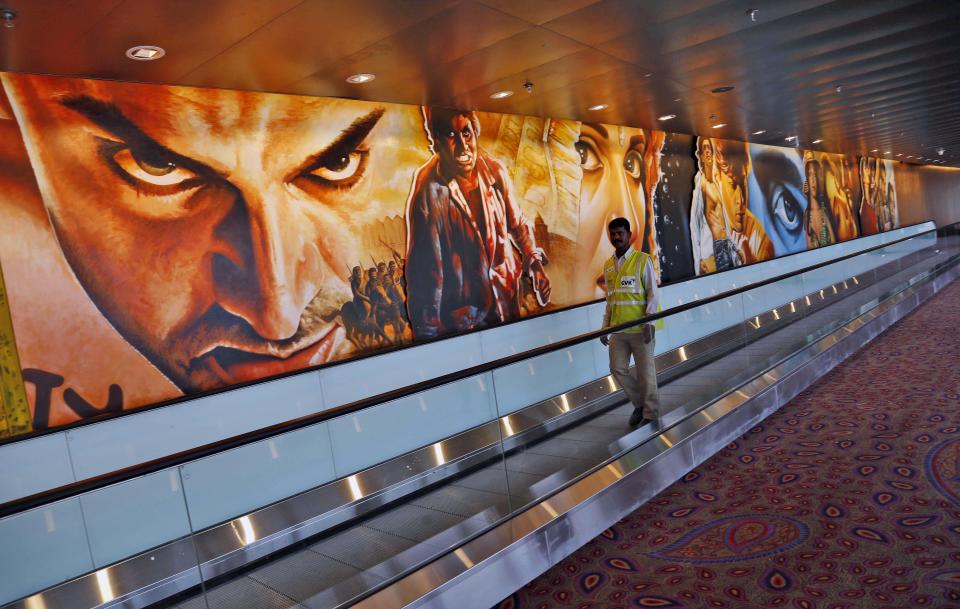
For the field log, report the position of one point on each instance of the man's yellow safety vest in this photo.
(626, 294)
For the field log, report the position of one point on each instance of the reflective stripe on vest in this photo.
(626, 294)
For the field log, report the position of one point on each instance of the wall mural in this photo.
(163, 241)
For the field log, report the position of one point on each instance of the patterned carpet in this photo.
(849, 497)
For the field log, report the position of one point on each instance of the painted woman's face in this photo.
(613, 185)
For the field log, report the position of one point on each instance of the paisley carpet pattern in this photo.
(848, 497)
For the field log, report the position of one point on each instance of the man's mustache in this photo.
(220, 328)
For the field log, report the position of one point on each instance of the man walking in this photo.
(631, 285)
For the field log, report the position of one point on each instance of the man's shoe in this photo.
(636, 419)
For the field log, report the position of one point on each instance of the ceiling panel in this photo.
(313, 34)
(538, 11)
(898, 61)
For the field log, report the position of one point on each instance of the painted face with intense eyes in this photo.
(214, 229)
(612, 160)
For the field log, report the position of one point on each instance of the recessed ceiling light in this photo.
(816, 141)
(899, 154)
(760, 132)
(790, 138)
(676, 99)
(501, 94)
(667, 117)
(721, 89)
(145, 52)
(359, 79)
(719, 125)
(909, 156)
(886, 152)
(598, 107)
(874, 150)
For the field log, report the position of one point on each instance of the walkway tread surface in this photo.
(848, 497)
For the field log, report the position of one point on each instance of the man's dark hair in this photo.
(619, 223)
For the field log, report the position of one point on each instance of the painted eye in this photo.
(786, 208)
(151, 169)
(633, 164)
(340, 168)
(589, 159)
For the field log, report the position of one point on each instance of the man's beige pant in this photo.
(640, 385)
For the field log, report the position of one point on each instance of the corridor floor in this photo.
(848, 497)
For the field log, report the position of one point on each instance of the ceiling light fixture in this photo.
(940, 151)
(899, 154)
(886, 152)
(760, 132)
(8, 15)
(596, 107)
(719, 125)
(790, 138)
(874, 150)
(752, 13)
(145, 52)
(725, 89)
(667, 117)
(359, 79)
(647, 74)
(816, 141)
(501, 94)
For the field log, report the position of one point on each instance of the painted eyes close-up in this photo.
(633, 164)
(785, 206)
(341, 169)
(589, 159)
(151, 169)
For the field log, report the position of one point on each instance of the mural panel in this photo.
(166, 241)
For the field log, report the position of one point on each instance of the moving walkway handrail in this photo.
(173, 460)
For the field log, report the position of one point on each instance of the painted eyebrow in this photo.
(109, 117)
(346, 142)
(599, 129)
(638, 141)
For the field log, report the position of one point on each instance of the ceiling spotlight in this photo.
(676, 99)
(145, 52)
(899, 154)
(886, 152)
(719, 125)
(8, 15)
(790, 138)
(839, 89)
(874, 150)
(725, 89)
(816, 141)
(940, 151)
(760, 132)
(667, 117)
(647, 74)
(501, 94)
(909, 156)
(596, 107)
(752, 13)
(359, 79)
